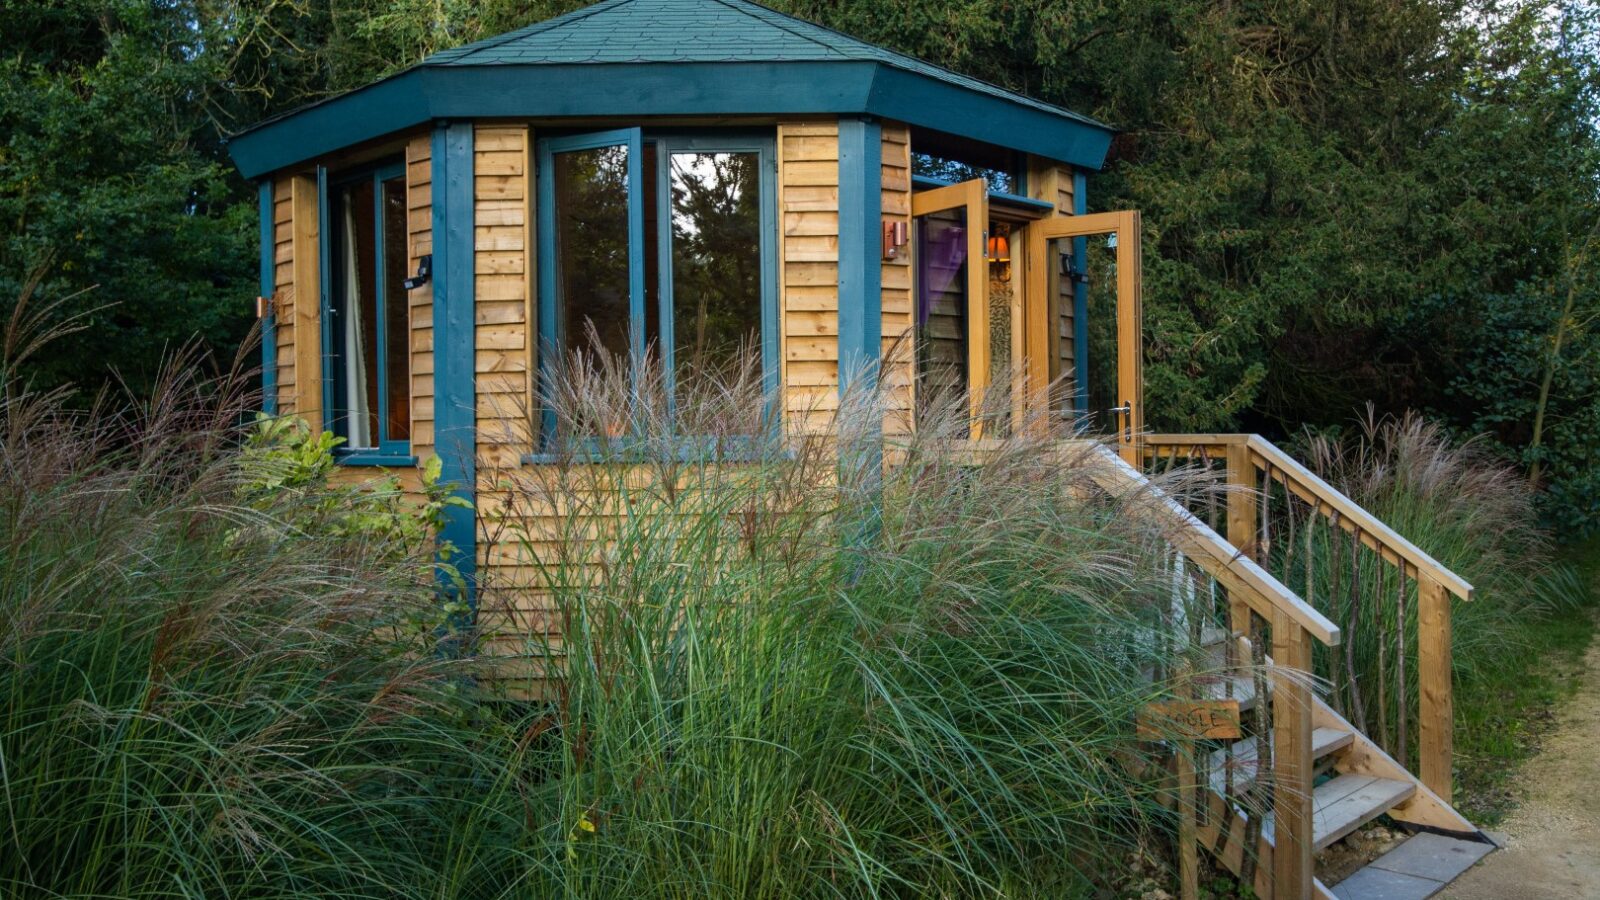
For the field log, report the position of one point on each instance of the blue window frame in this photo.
(366, 314)
(596, 171)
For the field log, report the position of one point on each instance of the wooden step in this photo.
(1346, 802)
(1244, 764)
(1216, 687)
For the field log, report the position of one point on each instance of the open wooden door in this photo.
(1112, 406)
(951, 287)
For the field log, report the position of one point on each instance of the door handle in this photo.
(1121, 410)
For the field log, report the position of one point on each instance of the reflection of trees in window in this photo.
(716, 262)
(591, 209)
(953, 170)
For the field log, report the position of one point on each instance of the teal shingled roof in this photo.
(652, 59)
(655, 31)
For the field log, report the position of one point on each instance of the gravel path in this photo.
(1553, 837)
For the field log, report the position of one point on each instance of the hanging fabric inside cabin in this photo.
(357, 412)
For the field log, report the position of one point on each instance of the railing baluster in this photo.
(1402, 748)
(1357, 708)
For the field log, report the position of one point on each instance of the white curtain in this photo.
(358, 413)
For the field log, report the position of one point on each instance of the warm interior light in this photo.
(999, 249)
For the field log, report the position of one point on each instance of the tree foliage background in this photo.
(1390, 202)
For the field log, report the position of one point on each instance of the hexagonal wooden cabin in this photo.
(423, 236)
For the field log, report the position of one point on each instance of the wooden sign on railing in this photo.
(1212, 720)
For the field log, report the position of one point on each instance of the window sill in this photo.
(377, 458)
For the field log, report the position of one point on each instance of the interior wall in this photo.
(1053, 182)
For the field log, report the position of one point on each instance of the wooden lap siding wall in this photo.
(808, 203)
(419, 240)
(899, 360)
(283, 293)
(511, 607)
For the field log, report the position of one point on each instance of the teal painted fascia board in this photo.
(860, 253)
(929, 103)
(641, 90)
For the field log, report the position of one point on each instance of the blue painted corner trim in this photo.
(269, 330)
(1080, 295)
(454, 357)
(860, 270)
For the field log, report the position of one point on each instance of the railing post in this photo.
(1435, 701)
(1293, 836)
(1242, 522)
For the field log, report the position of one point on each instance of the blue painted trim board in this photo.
(1080, 296)
(860, 268)
(639, 90)
(269, 322)
(454, 356)
(325, 292)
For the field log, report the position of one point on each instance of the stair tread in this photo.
(1216, 688)
(1346, 802)
(1245, 763)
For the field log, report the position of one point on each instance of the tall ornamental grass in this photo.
(754, 668)
(218, 674)
(818, 668)
(1475, 516)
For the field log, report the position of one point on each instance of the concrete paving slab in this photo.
(1382, 884)
(1433, 856)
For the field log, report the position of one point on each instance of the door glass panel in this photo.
(396, 331)
(1101, 263)
(1003, 309)
(357, 313)
(591, 248)
(942, 327)
(716, 267)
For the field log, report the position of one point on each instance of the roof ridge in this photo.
(466, 50)
(738, 6)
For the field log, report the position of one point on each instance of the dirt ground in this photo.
(1553, 837)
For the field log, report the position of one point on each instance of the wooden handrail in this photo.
(1221, 560)
(1308, 486)
(1372, 532)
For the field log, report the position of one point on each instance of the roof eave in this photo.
(849, 87)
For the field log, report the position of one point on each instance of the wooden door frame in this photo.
(973, 196)
(1125, 225)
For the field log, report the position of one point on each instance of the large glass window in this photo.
(660, 247)
(369, 360)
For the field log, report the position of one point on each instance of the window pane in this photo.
(358, 315)
(396, 312)
(942, 309)
(591, 248)
(716, 264)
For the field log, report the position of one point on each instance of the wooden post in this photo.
(1292, 760)
(1242, 522)
(1435, 703)
(1188, 796)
